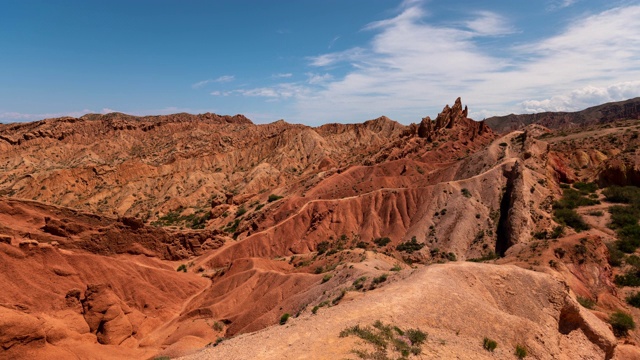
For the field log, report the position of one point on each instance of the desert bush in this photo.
(586, 188)
(621, 323)
(489, 344)
(622, 194)
(586, 302)
(182, 268)
(274, 197)
(570, 218)
(465, 192)
(380, 279)
(284, 318)
(359, 282)
(241, 211)
(521, 352)
(634, 299)
(630, 278)
(410, 246)
(326, 278)
(322, 247)
(386, 340)
(383, 241)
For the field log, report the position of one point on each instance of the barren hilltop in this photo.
(211, 237)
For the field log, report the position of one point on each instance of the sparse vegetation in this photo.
(586, 302)
(381, 242)
(197, 220)
(465, 192)
(274, 197)
(182, 268)
(624, 219)
(241, 211)
(489, 344)
(634, 299)
(387, 340)
(621, 323)
(284, 318)
(326, 278)
(410, 246)
(521, 352)
(489, 256)
(359, 282)
(380, 279)
(564, 209)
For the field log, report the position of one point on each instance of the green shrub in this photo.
(465, 192)
(634, 299)
(396, 267)
(380, 279)
(621, 323)
(586, 302)
(586, 188)
(570, 218)
(629, 279)
(322, 247)
(596, 213)
(622, 194)
(615, 255)
(359, 282)
(241, 211)
(387, 340)
(284, 318)
(410, 246)
(521, 352)
(274, 197)
(489, 344)
(326, 278)
(381, 242)
(182, 268)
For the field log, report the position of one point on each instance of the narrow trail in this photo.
(305, 205)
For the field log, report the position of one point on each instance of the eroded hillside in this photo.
(261, 221)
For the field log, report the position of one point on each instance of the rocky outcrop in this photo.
(449, 118)
(514, 219)
(621, 171)
(106, 315)
(19, 329)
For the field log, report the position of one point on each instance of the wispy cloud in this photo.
(282, 91)
(560, 4)
(221, 79)
(582, 98)
(332, 42)
(281, 75)
(487, 23)
(411, 62)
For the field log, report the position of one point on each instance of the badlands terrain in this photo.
(211, 237)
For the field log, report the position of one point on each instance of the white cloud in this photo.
(315, 79)
(487, 23)
(281, 75)
(560, 4)
(221, 79)
(412, 67)
(582, 98)
(281, 91)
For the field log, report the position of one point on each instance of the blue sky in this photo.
(314, 62)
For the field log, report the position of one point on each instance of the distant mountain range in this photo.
(621, 110)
